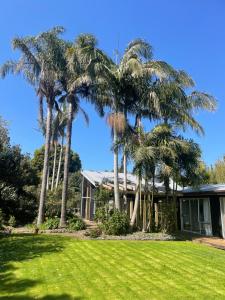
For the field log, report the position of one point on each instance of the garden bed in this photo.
(82, 234)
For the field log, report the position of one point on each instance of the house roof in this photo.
(97, 178)
(206, 188)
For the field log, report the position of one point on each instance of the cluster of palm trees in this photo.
(134, 87)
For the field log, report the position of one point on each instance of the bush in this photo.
(12, 221)
(50, 223)
(117, 223)
(94, 233)
(76, 223)
(102, 214)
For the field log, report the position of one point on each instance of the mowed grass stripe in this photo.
(55, 267)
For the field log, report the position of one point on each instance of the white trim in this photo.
(84, 174)
(222, 215)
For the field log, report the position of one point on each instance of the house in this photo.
(91, 180)
(202, 210)
(199, 210)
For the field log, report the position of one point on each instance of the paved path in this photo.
(211, 241)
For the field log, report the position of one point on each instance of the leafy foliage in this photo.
(217, 171)
(50, 223)
(76, 223)
(37, 161)
(53, 203)
(102, 196)
(102, 214)
(116, 223)
(17, 177)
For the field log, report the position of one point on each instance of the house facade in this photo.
(199, 210)
(91, 180)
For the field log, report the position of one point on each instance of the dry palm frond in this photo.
(117, 121)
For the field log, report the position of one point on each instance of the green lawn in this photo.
(55, 267)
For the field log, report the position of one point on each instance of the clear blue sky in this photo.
(189, 34)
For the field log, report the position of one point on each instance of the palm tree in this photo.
(135, 67)
(84, 62)
(39, 63)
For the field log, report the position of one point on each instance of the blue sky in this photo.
(188, 34)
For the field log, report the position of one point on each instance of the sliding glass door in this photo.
(195, 215)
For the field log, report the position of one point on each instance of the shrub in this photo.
(76, 223)
(102, 214)
(12, 221)
(50, 223)
(94, 233)
(117, 223)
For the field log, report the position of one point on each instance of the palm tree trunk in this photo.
(41, 113)
(116, 181)
(125, 167)
(47, 185)
(54, 167)
(136, 202)
(66, 165)
(59, 165)
(138, 192)
(40, 218)
(125, 178)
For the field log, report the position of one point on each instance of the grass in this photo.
(54, 267)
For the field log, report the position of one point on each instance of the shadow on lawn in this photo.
(60, 297)
(185, 236)
(21, 247)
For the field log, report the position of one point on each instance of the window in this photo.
(195, 215)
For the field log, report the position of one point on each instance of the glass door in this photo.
(195, 215)
(204, 217)
(186, 215)
(195, 226)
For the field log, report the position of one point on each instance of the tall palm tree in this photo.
(136, 66)
(39, 63)
(84, 66)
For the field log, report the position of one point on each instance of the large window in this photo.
(195, 215)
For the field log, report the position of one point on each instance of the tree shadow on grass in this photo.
(48, 297)
(21, 247)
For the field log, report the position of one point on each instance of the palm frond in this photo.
(85, 115)
(200, 100)
(140, 48)
(160, 69)
(8, 67)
